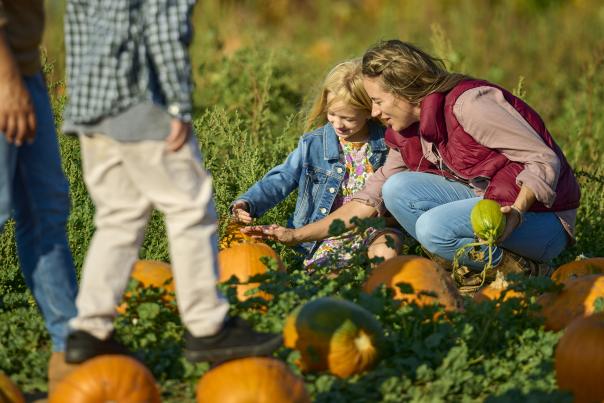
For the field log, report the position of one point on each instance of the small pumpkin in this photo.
(493, 291)
(108, 378)
(577, 268)
(576, 299)
(334, 335)
(242, 260)
(151, 273)
(579, 359)
(488, 224)
(253, 379)
(9, 392)
(431, 285)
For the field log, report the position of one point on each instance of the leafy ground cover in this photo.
(252, 79)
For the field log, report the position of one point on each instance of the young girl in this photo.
(329, 165)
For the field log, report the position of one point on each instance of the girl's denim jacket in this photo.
(315, 169)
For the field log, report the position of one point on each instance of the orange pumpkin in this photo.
(233, 235)
(253, 379)
(579, 359)
(335, 335)
(578, 268)
(493, 291)
(242, 260)
(576, 299)
(9, 392)
(431, 285)
(151, 273)
(108, 378)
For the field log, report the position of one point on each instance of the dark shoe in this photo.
(82, 346)
(441, 261)
(236, 339)
(513, 263)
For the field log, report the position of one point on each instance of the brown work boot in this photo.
(514, 263)
(57, 370)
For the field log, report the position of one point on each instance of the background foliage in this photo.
(256, 65)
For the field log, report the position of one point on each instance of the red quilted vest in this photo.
(468, 159)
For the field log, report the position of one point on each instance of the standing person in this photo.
(32, 183)
(129, 82)
(456, 140)
(329, 165)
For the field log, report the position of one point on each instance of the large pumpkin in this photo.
(108, 378)
(576, 299)
(335, 335)
(493, 291)
(233, 235)
(578, 268)
(9, 392)
(253, 379)
(151, 273)
(242, 260)
(431, 285)
(579, 359)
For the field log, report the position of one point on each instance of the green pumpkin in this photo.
(488, 222)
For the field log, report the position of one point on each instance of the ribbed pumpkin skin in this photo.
(243, 261)
(578, 268)
(579, 359)
(9, 392)
(576, 299)
(108, 378)
(422, 274)
(334, 335)
(488, 222)
(151, 273)
(253, 379)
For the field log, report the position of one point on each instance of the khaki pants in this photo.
(126, 180)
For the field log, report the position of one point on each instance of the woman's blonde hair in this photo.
(345, 83)
(407, 71)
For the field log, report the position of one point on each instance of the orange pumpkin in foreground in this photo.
(253, 379)
(431, 285)
(151, 273)
(242, 260)
(579, 359)
(576, 299)
(9, 392)
(335, 335)
(578, 268)
(493, 291)
(108, 378)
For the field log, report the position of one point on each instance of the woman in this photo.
(455, 140)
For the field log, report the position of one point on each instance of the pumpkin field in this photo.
(397, 332)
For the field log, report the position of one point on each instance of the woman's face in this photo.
(349, 123)
(392, 110)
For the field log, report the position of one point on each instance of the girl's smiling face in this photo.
(349, 123)
(393, 111)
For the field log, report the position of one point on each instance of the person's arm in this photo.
(273, 188)
(168, 32)
(493, 122)
(17, 116)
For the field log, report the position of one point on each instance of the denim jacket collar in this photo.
(331, 144)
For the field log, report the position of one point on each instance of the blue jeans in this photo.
(34, 188)
(436, 212)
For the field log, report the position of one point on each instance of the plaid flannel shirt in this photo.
(123, 52)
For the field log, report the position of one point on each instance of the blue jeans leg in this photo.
(437, 213)
(41, 207)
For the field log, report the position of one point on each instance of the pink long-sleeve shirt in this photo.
(485, 115)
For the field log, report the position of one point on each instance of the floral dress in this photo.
(358, 169)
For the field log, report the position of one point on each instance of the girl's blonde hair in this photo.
(345, 83)
(407, 71)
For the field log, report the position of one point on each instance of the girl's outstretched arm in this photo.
(315, 231)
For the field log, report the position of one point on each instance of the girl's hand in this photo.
(513, 219)
(240, 212)
(273, 232)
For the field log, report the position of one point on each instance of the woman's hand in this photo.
(274, 232)
(513, 219)
(240, 211)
